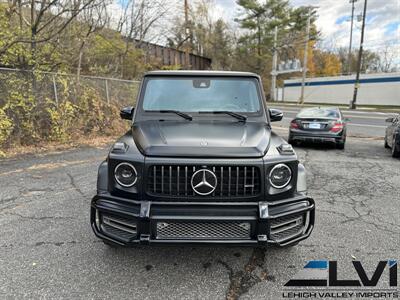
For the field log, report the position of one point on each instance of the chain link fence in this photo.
(38, 107)
(57, 87)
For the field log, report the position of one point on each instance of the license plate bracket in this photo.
(314, 126)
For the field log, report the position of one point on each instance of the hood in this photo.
(201, 138)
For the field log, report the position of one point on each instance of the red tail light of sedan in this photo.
(337, 127)
(294, 124)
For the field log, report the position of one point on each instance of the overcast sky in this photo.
(382, 26)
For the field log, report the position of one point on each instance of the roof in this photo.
(200, 73)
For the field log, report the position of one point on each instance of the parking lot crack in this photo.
(74, 185)
(47, 243)
(10, 199)
(361, 219)
(382, 228)
(241, 281)
(37, 218)
(33, 194)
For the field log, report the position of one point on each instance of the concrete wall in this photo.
(375, 89)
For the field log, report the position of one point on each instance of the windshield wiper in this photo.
(227, 112)
(179, 113)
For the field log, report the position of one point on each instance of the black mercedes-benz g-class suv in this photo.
(201, 165)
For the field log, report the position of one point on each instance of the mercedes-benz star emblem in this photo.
(204, 182)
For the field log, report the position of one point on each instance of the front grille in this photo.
(117, 226)
(287, 227)
(232, 181)
(188, 230)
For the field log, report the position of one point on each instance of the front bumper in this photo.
(127, 222)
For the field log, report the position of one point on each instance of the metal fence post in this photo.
(55, 89)
(107, 92)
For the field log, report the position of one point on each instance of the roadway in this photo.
(362, 123)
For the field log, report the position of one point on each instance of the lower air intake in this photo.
(287, 227)
(119, 227)
(203, 230)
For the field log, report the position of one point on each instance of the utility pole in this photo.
(351, 36)
(274, 65)
(305, 59)
(360, 52)
(187, 31)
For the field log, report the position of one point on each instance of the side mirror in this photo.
(127, 112)
(389, 120)
(346, 120)
(275, 114)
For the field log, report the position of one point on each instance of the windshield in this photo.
(202, 94)
(319, 113)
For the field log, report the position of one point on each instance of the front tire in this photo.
(395, 149)
(340, 144)
(386, 144)
(292, 142)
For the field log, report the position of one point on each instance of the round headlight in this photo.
(280, 176)
(125, 174)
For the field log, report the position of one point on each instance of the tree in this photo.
(388, 58)
(326, 63)
(370, 62)
(258, 21)
(93, 20)
(39, 24)
(138, 23)
(221, 46)
(382, 61)
(203, 35)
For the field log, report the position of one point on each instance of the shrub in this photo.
(6, 127)
(28, 117)
(63, 119)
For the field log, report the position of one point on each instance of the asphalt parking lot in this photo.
(47, 248)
